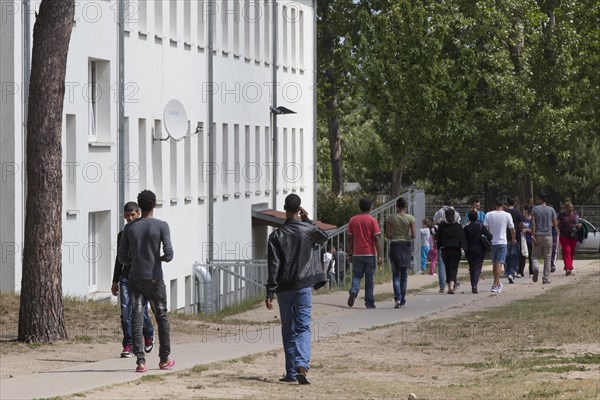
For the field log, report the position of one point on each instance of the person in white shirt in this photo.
(497, 222)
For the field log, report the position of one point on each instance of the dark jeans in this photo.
(451, 257)
(513, 253)
(400, 254)
(155, 292)
(475, 266)
(126, 309)
(364, 266)
(523, 260)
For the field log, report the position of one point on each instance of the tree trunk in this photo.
(335, 154)
(41, 311)
(396, 182)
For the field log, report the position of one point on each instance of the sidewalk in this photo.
(332, 317)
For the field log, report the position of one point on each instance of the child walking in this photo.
(425, 243)
(433, 251)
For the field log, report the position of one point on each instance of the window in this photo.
(247, 162)
(267, 162)
(173, 295)
(202, 177)
(293, 27)
(98, 90)
(187, 21)
(225, 158)
(236, 27)
(283, 47)
(143, 153)
(173, 171)
(236, 156)
(142, 16)
(71, 163)
(201, 22)
(187, 168)
(258, 167)
(247, 19)
(225, 25)
(173, 20)
(301, 38)
(267, 27)
(158, 18)
(157, 160)
(255, 15)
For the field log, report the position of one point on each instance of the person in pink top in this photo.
(364, 246)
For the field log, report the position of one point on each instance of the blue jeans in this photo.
(400, 254)
(154, 292)
(148, 329)
(424, 252)
(498, 253)
(513, 252)
(364, 266)
(441, 270)
(295, 312)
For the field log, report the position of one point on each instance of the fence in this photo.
(224, 283)
(339, 237)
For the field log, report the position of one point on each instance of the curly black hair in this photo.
(146, 200)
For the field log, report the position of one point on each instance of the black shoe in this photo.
(511, 279)
(397, 305)
(474, 290)
(351, 299)
(553, 268)
(287, 379)
(371, 306)
(302, 379)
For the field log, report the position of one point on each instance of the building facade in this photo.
(166, 51)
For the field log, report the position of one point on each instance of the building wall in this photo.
(165, 59)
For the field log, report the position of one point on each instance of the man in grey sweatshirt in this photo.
(140, 247)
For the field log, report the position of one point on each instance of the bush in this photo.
(338, 210)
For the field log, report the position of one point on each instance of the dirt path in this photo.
(409, 350)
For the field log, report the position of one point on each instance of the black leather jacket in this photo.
(294, 261)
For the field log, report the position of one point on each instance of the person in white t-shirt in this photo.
(497, 222)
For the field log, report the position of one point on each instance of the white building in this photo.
(166, 54)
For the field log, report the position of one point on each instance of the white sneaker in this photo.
(494, 289)
(500, 286)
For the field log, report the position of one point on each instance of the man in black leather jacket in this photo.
(294, 269)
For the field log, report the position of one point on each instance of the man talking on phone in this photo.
(294, 269)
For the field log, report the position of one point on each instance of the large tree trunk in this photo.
(396, 181)
(41, 313)
(335, 154)
(330, 72)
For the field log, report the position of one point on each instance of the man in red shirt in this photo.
(364, 245)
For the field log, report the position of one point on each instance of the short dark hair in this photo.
(448, 201)
(146, 200)
(131, 206)
(499, 201)
(475, 200)
(543, 196)
(511, 201)
(365, 204)
(472, 215)
(401, 203)
(292, 203)
(449, 214)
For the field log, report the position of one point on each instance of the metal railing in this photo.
(224, 283)
(338, 238)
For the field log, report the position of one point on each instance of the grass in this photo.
(152, 378)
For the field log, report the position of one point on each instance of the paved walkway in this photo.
(334, 318)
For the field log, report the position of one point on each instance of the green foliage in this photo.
(337, 210)
(463, 97)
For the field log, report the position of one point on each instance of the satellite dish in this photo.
(175, 119)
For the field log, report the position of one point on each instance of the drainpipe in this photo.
(315, 186)
(274, 105)
(25, 111)
(211, 130)
(121, 129)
